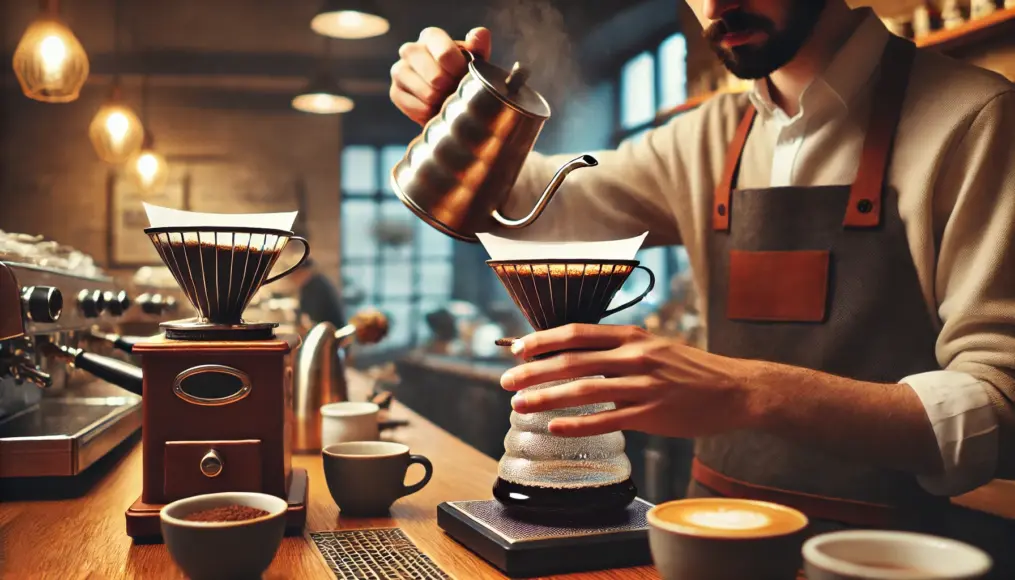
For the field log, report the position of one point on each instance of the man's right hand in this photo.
(429, 70)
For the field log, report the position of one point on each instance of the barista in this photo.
(319, 300)
(849, 223)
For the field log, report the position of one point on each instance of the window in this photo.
(391, 260)
(651, 83)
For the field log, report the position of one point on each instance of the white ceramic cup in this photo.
(349, 421)
(888, 555)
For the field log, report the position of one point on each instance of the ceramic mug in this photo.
(888, 555)
(366, 477)
(725, 539)
(349, 421)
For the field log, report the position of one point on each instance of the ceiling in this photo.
(268, 44)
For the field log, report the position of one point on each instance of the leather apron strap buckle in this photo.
(865, 200)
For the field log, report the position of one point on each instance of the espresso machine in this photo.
(57, 419)
(218, 389)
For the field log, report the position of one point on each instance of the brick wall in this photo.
(235, 159)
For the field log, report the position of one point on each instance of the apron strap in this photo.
(864, 207)
(723, 193)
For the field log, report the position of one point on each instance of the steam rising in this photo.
(533, 33)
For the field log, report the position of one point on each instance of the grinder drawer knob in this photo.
(212, 464)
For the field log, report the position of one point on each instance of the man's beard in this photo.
(755, 62)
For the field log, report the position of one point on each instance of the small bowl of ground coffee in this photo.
(224, 535)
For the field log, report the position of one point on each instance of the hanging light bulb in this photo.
(350, 19)
(148, 168)
(323, 97)
(116, 132)
(50, 63)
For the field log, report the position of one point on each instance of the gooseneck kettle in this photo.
(460, 170)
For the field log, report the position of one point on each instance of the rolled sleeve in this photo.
(975, 279)
(965, 425)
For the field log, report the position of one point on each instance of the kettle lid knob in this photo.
(517, 78)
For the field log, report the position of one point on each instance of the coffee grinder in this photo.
(559, 502)
(217, 400)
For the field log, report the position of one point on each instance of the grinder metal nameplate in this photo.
(522, 549)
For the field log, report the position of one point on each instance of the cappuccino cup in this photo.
(888, 555)
(726, 539)
(349, 421)
(366, 477)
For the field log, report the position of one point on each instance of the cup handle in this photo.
(411, 489)
(303, 258)
(640, 297)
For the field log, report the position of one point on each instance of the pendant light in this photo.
(352, 19)
(322, 95)
(50, 63)
(148, 168)
(116, 132)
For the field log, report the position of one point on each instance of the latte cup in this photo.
(349, 421)
(888, 555)
(726, 539)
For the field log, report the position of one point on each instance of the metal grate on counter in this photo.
(375, 554)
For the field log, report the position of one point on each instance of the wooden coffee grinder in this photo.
(217, 389)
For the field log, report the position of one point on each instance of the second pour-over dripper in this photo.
(541, 475)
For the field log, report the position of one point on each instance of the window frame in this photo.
(375, 295)
(653, 46)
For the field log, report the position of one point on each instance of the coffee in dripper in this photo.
(541, 475)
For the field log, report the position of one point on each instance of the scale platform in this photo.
(522, 549)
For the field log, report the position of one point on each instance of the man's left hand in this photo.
(659, 386)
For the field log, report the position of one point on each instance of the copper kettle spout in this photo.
(551, 188)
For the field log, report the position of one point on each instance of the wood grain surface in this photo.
(84, 537)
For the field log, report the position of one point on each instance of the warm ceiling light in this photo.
(116, 132)
(323, 97)
(50, 63)
(148, 168)
(350, 19)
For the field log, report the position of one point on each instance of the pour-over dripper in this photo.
(541, 475)
(220, 269)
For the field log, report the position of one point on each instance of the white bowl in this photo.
(843, 555)
(241, 549)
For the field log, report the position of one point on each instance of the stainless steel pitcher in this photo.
(320, 372)
(459, 171)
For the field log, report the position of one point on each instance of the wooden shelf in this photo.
(971, 32)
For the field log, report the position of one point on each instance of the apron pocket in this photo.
(778, 286)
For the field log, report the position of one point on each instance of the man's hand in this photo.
(659, 385)
(666, 388)
(429, 70)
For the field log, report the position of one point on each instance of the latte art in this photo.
(727, 519)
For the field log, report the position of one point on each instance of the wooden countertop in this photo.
(85, 537)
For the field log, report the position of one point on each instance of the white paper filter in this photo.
(163, 217)
(611, 250)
